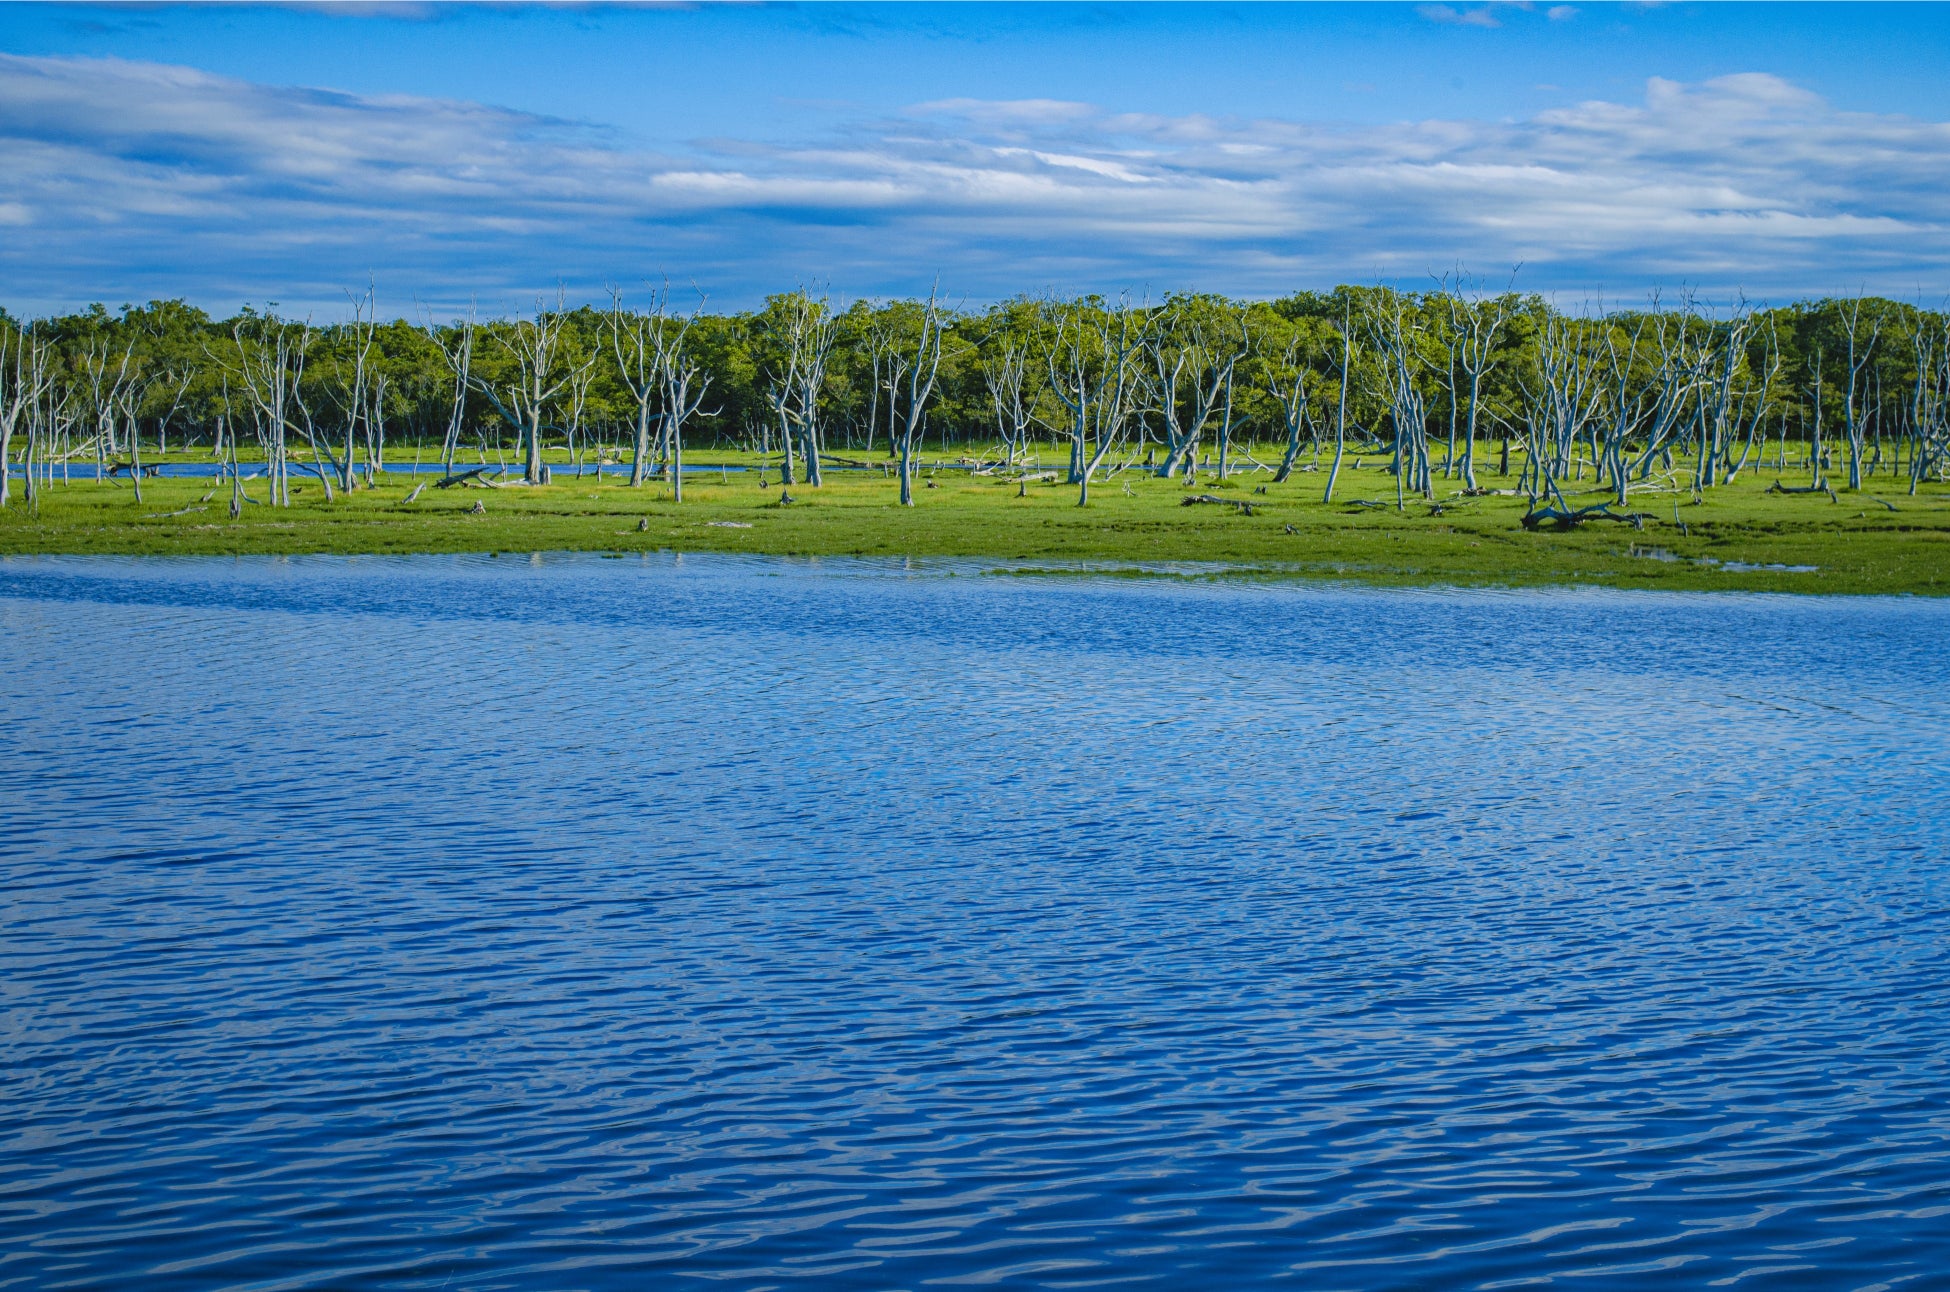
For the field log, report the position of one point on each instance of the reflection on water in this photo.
(568, 922)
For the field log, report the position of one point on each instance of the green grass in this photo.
(1859, 545)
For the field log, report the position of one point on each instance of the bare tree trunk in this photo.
(921, 374)
(1340, 418)
(1858, 359)
(535, 346)
(1292, 397)
(23, 383)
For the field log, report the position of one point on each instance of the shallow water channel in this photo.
(668, 922)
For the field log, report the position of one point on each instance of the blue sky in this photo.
(232, 153)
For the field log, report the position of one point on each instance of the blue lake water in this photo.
(738, 923)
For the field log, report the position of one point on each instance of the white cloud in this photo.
(128, 180)
(1451, 16)
(1029, 112)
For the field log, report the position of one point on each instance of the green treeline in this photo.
(1443, 384)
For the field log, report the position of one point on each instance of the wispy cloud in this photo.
(1032, 112)
(1451, 16)
(132, 179)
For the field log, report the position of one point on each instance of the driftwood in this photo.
(1558, 519)
(1819, 486)
(1192, 500)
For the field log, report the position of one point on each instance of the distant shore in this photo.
(1736, 537)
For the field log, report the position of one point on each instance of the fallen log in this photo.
(163, 515)
(462, 477)
(1558, 519)
(1192, 500)
(1819, 486)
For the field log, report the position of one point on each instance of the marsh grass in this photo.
(1856, 544)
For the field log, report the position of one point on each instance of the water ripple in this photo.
(562, 922)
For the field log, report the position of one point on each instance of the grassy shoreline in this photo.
(1877, 541)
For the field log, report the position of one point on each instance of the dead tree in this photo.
(1340, 415)
(1474, 325)
(457, 352)
(1005, 375)
(1564, 405)
(24, 381)
(633, 340)
(882, 357)
(54, 422)
(1179, 350)
(375, 423)
(534, 346)
(1716, 422)
(684, 382)
(106, 375)
(1929, 409)
(1397, 332)
(1093, 372)
(362, 331)
(271, 358)
(180, 378)
(129, 400)
(1855, 402)
(1755, 402)
(803, 336)
(1287, 383)
(921, 371)
(1671, 394)
(1570, 395)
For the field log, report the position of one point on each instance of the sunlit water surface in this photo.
(738, 923)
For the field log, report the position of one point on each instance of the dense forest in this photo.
(1447, 384)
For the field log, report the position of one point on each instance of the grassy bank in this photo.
(1879, 541)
